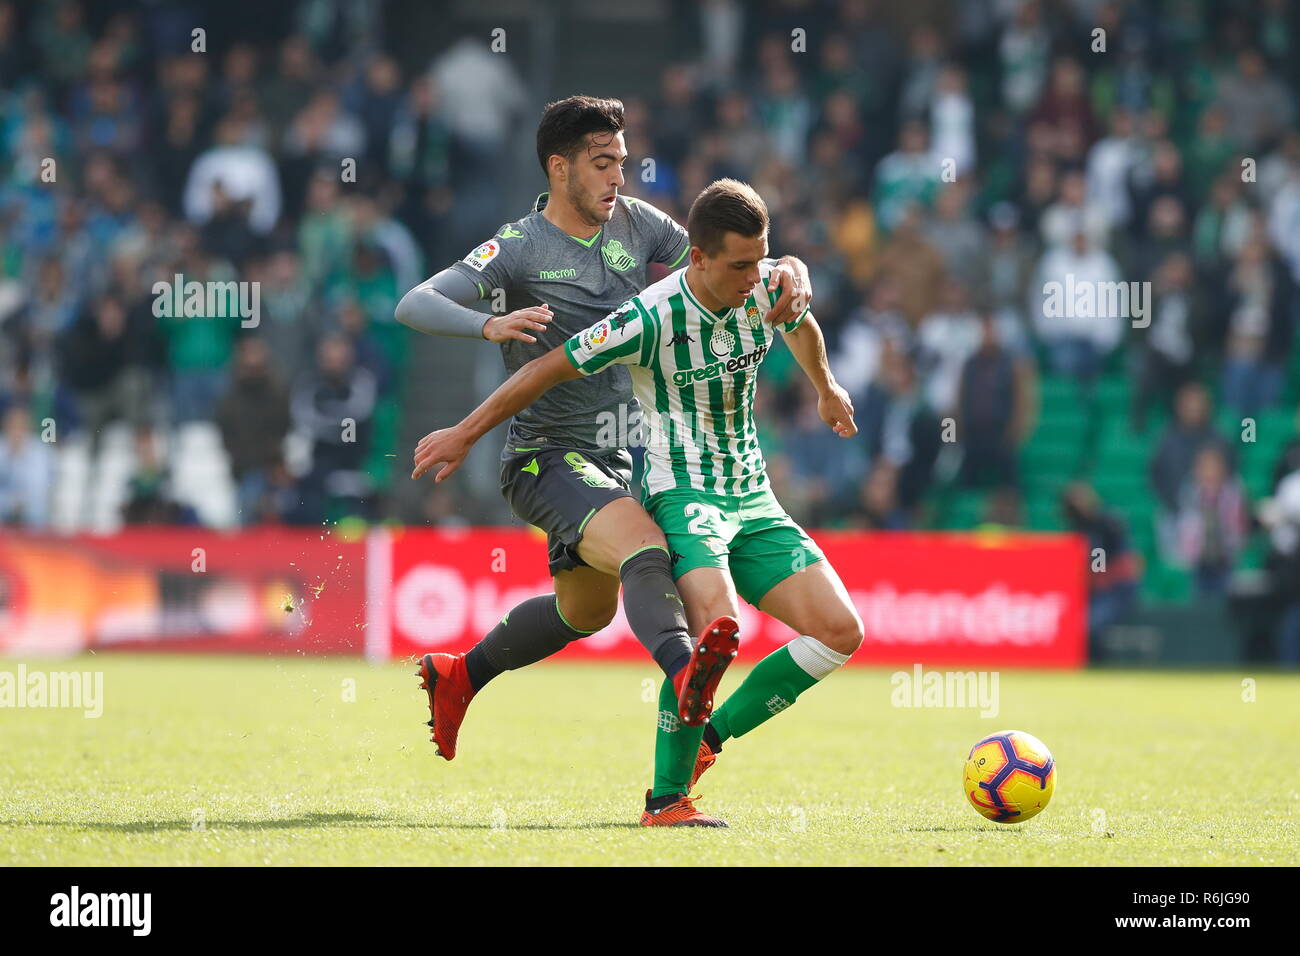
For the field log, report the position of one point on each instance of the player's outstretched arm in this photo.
(516, 393)
(833, 403)
(440, 306)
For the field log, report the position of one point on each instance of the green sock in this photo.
(676, 746)
(772, 686)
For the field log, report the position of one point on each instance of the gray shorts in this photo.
(559, 489)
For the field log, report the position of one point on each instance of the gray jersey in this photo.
(582, 280)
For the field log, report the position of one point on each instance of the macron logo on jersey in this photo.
(557, 274)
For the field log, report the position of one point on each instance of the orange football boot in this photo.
(680, 813)
(717, 648)
(447, 682)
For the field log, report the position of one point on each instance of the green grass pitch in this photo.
(216, 760)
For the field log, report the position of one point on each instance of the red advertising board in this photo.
(962, 599)
(959, 599)
(971, 599)
(271, 590)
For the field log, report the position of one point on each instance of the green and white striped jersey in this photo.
(693, 373)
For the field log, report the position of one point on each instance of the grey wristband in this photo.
(439, 306)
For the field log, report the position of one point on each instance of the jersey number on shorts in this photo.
(701, 515)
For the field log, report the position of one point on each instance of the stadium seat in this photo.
(201, 474)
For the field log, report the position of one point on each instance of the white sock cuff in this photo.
(814, 656)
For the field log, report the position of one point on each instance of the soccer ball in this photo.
(1010, 776)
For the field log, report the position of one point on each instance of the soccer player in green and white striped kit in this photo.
(693, 343)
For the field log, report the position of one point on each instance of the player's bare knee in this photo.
(644, 535)
(843, 634)
(707, 613)
(589, 613)
(587, 600)
(620, 530)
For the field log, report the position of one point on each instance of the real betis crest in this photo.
(751, 315)
(617, 256)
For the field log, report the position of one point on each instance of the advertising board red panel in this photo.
(931, 598)
(960, 599)
(270, 590)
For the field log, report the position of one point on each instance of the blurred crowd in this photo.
(127, 159)
(938, 166)
(940, 178)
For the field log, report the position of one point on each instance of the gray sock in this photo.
(654, 609)
(531, 631)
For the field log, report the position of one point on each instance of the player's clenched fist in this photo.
(836, 410)
(517, 325)
(449, 445)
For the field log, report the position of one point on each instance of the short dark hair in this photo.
(566, 122)
(726, 205)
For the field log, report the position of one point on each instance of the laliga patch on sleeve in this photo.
(484, 254)
(595, 335)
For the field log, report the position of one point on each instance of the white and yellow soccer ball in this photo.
(1010, 776)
